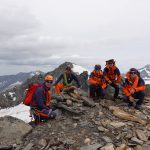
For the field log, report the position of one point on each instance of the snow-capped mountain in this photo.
(9, 81)
(78, 69)
(145, 73)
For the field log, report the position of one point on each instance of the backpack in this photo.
(29, 94)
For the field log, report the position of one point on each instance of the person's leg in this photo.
(116, 87)
(140, 96)
(92, 91)
(101, 92)
(126, 100)
(48, 114)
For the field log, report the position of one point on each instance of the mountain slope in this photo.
(145, 73)
(9, 81)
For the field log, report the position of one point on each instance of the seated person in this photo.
(134, 88)
(97, 83)
(41, 101)
(112, 76)
(67, 78)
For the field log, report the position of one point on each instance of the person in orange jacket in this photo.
(97, 83)
(134, 88)
(112, 76)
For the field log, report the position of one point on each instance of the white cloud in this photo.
(36, 33)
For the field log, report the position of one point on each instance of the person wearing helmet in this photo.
(134, 88)
(41, 100)
(112, 76)
(67, 80)
(97, 83)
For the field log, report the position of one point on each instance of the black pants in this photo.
(116, 87)
(96, 91)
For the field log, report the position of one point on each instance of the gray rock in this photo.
(12, 130)
(108, 147)
(102, 129)
(6, 147)
(134, 139)
(107, 139)
(91, 147)
(140, 134)
(29, 146)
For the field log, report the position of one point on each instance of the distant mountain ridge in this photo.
(9, 81)
(145, 73)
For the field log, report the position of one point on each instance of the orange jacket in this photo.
(97, 78)
(137, 84)
(112, 74)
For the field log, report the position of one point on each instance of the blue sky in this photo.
(40, 35)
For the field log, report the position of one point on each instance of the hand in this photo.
(131, 99)
(132, 91)
(109, 82)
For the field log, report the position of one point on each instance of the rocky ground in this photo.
(108, 125)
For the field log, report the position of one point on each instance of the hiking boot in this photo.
(130, 105)
(138, 107)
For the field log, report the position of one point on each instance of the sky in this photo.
(42, 34)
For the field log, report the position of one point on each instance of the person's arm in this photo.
(142, 86)
(105, 75)
(59, 79)
(76, 79)
(40, 99)
(118, 76)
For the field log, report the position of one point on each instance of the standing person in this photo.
(67, 78)
(134, 88)
(97, 83)
(41, 100)
(112, 76)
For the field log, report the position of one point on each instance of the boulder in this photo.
(12, 130)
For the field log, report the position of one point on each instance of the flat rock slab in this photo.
(141, 135)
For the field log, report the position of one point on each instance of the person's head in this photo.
(68, 70)
(97, 67)
(48, 80)
(133, 72)
(110, 63)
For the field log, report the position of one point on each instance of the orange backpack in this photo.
(28, 98)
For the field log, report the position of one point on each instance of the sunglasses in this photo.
(110, 63)
(132, 72)
(49, 81)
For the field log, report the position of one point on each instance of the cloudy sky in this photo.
(41, 34)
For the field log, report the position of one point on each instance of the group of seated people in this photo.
(133, 87)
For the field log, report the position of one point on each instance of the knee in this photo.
(52, 115)
(142, 93)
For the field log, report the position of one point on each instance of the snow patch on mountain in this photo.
(78, 69)
(20, 111)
